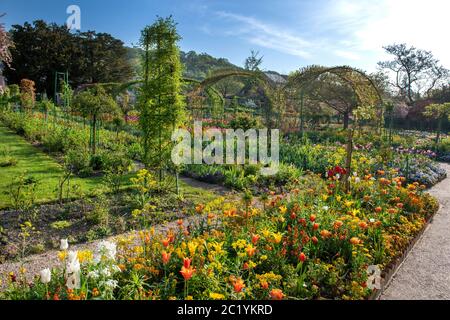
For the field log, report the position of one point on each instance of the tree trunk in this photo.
(94, 131)
(348, 160)
(346, 120)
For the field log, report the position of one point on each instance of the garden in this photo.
(87, 175)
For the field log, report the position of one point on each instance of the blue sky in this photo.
(289, 34)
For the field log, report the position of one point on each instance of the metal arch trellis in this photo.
(304, 77)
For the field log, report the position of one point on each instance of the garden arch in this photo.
(365, 90)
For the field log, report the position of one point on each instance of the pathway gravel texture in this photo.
(425, 273)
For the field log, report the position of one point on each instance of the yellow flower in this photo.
(192, 247)
(283, 209)
(62, 255)
(216, 296)
(277, 237)
(265, 233)
(348, 204)
(85, 256)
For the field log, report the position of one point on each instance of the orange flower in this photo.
(400, 205)
(378, 209)
(315, 226)
(250, 251)
(325, 234)
(166, 242)
(363, 225)
(187, 273)
(355, 241)
(165, 257)
(366, 198)
(314, 240)
(199, 208)
(238, 285)
(255, 239)
(276, 294)
(264, 285)
(337, 224)
(312, 218)
(95, 292)
(392, 211)
(180, 222)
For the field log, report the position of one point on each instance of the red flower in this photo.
(255, 239)
(302, 257)
(187, 263)
(312, 218)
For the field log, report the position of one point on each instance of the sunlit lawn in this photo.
(33, 162)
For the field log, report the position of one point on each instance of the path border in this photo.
(388, 274)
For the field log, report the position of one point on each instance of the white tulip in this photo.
(73, 281)
(72, 264)
(64, 244)
(46, 275)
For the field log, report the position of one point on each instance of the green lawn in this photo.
(36, 163)
(33, 162)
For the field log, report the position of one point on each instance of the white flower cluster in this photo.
(106, 252)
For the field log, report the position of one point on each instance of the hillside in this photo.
(196, 65)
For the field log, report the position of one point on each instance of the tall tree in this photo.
(160, 99)
(41, 49)
(415, 72)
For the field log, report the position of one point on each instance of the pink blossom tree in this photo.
(5, 45)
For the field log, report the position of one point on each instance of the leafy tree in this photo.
(41, 49)
(160, 100)
(104, 58)
(414, 71)
(329, 90)
(93, 103)
(439, 112)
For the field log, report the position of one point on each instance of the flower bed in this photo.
(315, 242)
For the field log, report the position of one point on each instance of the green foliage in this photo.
(94, 103)
(160, 100)
(89, 57)
(244, 121)
(60, 225)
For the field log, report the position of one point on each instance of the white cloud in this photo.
(367, 26)
(268, 36)
(351, 31)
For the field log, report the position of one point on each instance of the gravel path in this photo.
(425, 273)
(35, 263)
